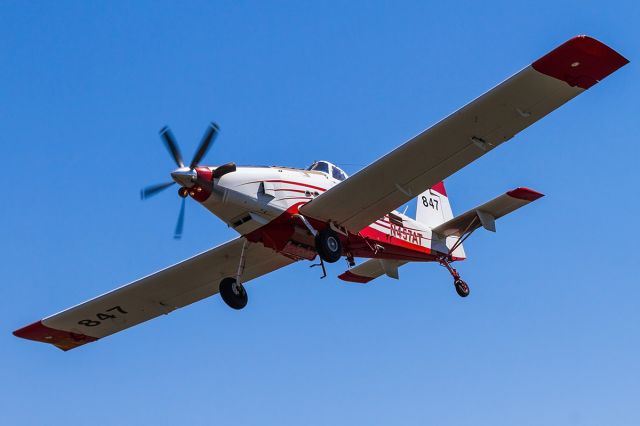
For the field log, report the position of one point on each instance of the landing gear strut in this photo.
(461, 287)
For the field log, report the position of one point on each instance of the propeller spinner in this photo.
(184, 176)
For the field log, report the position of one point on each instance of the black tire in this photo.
(328, 246)
(234, 295)
(461, 288)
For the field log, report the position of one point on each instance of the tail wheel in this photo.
(328, 245)
(461, 288)
(233, 294)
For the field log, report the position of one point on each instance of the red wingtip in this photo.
(62, 339)
(525, 194)
(582, 61)
(354, 278)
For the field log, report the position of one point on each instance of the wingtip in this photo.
(525, 194)
(354, 278)
(64, 340)
(581, 61)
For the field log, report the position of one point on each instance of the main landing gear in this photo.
(231, 289)
(233, 293)
(461, 287)
(327, 242)
(328, 245)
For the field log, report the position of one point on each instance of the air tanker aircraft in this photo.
(285, 215)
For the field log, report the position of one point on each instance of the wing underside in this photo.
(160, 293)
(466, 135)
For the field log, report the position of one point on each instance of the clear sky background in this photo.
(549, 334)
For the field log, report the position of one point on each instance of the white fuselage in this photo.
(252, 197)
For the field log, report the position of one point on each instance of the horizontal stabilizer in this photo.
(486, 214)
(371, 269)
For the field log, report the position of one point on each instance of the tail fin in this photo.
(433, 206)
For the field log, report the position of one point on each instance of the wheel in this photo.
(461, 288)
(233, 294)
(328, 246)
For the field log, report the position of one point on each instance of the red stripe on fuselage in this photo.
(297, 183)
(291, 190)
(293, 198)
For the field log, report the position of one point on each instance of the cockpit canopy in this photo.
(328, 168)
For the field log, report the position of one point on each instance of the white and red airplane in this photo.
(284, 214)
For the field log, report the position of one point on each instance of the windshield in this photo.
(320, 166)
(338, 174)
(328, 168)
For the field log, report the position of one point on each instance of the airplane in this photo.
(284, 214)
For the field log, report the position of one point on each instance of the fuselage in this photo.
(261, 203)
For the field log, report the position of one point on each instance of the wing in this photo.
(160, 293)
(486, 214)
(467, 134)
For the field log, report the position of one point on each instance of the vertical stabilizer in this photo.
(433, 206)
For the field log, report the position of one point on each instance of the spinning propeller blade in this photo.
(170, 142)
(205, 143)
(152, 190)
(180, 224)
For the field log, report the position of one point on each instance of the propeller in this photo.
(180, 224)
(152, 190)
(183, 176)
(170, 142)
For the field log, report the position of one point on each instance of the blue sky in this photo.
(549, 334)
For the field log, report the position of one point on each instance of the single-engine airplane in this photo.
(285, 214)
